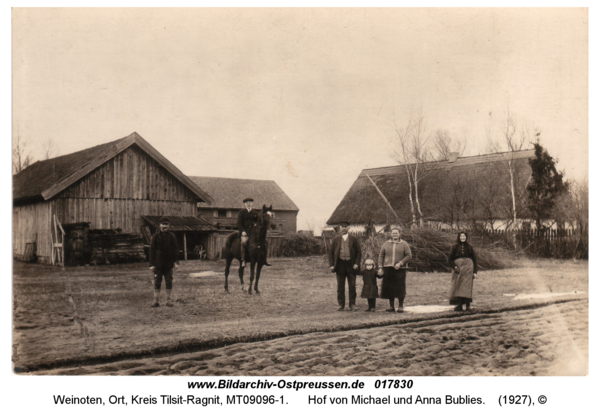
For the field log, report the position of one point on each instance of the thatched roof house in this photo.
(106, 187)
(229, 193)
(451, 192)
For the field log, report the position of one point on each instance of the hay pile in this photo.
(430, 250)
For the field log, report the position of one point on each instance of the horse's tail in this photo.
(231, 239)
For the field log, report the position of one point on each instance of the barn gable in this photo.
(46, 179)
(131, 174)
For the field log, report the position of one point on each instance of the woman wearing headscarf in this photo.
(394, 255)
(464, 269)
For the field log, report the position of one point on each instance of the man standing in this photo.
(164, 256)
(344, 259)
(246, 220)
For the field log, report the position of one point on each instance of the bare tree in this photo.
(420, 154)
(491, 201)
(581, 204)
(444, 145)
(402, 156)
(412, 150)
(21, 157)
(512, 136)
(50, 149)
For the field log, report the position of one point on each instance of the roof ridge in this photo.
(440, 162)
(231, 178)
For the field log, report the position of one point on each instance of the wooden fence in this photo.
(549, 243)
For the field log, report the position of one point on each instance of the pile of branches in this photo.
(430, 250)
(301, 245)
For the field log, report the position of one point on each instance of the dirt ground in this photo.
(97, 320)
(549, 340)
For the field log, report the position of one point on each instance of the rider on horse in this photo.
(246, 220)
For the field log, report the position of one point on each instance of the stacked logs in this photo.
(115, 248)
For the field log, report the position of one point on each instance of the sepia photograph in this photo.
(300, 192)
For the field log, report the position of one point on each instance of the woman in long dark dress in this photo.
(464, 269)
(394, 255)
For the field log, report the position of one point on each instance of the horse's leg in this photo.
(252, 267)
(241, 274)
(258, 269)
(228, 260)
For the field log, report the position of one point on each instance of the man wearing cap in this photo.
(344, 260)
(164, 256)
(246, 220)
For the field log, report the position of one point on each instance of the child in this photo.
(369, 290)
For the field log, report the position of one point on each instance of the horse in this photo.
(257, 249)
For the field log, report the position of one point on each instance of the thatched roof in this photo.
(45, 179)
(229, 193)
(475, 184)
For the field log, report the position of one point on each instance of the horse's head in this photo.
(258, 237)
(265, 216)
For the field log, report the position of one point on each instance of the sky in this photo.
(305, 97)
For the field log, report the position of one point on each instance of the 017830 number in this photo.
(393, 384)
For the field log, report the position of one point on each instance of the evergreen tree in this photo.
(545, 186)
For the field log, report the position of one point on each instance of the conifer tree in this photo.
(545, 186)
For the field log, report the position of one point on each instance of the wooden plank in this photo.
(113, 175)
(130, 175)
(119, 173)
(145, 174)
(151, 179)
(184, 247)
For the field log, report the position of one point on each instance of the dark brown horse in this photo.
(257, 249)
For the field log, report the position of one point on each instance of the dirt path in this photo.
(547, 340)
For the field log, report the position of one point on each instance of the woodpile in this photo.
(112, 248)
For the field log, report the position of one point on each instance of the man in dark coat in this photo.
(246, 220)
(164, 256)
(344, 260)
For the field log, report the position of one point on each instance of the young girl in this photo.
(369, 290)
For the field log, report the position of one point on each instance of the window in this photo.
(222, 213)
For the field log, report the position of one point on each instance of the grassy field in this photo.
(82, 315)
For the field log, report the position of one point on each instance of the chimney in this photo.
(452, 157)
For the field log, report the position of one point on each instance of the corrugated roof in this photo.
(182, 223)
(363, 203)
(229, 193)
(44, 179)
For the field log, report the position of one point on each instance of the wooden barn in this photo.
(452, 193)
(229, 193)
(227, 197)
(60, 203)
